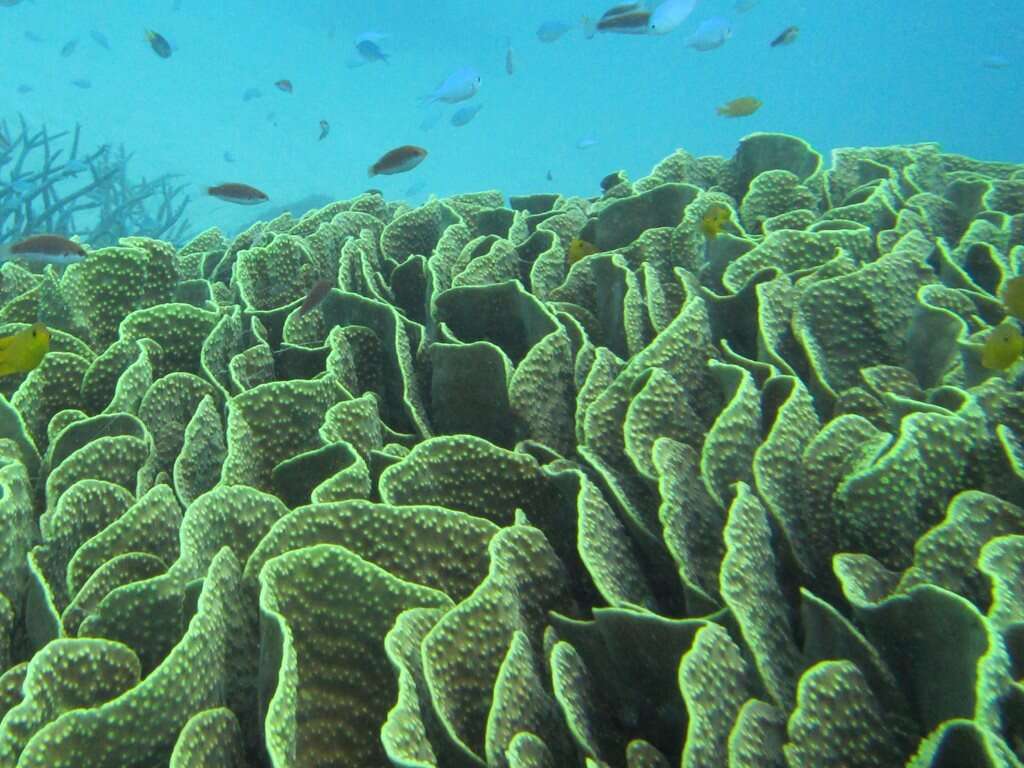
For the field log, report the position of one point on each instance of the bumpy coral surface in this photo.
(743, 501)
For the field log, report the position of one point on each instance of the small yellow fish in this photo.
(714, 219)
(1003, 347)
(1013, 296)
(578, 249)
(741, 107)
(24, 350)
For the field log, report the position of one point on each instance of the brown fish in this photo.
(316, 294)
(44, 249)
(398, 160)
(627, 18)
(242, 194)
(741, 107)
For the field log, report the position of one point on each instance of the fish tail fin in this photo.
(721, 111)
(589, 27)
(371, 172)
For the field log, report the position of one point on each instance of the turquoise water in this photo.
(859, 74)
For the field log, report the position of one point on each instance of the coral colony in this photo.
(711, 470)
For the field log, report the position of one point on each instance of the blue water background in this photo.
(866, 72)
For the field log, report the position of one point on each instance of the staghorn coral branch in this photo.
(39, 191)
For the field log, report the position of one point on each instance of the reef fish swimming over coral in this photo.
(43, 249)
(1003, 347)
(398, 160)
(24, 350)
(240, 194)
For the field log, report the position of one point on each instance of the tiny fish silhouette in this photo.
(325, 128)
(284, 85)
(159, 44)
(786, 37)
(316, 294)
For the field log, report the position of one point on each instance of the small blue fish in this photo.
(251, 93)
(100, 39)
(25, 88)
(23, 188)
(33, 36)
(669, 15)
(73, 168)
(370, 51)
(586, 142)
(228, 157)
(550, 31)
(432, 118)
(415, 189)
(460, 85)
(710, 34)
(82, 83)
(368, 47)
(463, 115)
(69, 47)
(995, 61)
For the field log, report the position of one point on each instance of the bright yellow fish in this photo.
(1013, 296)
(578, 249)
(713, 220)
(1003, 346)
(24, 350)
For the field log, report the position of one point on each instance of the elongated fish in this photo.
(398, 160)
(240, 194)
(43, 249)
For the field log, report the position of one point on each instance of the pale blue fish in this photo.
(33, 36)
(710, 34)
(228, 157)
(432, 118)
(460, 85)
(25, 88)
(550, 31)
(73, 168)
(586, 142)
(23, 188)
(82, 83)
(415, 189)
(463, 115)
(69, 47)
(100, 39)
(669, 15)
